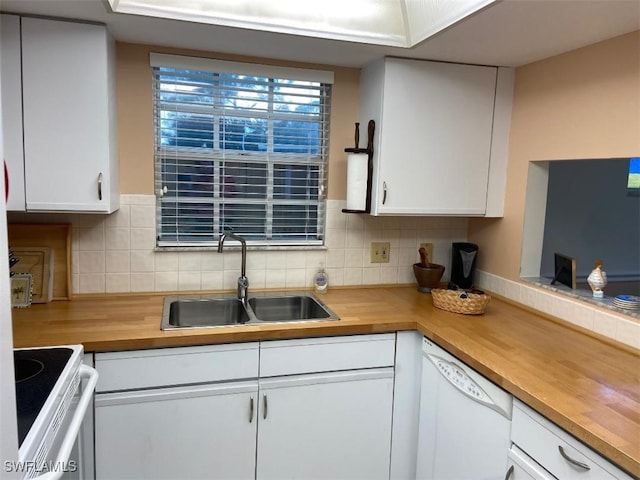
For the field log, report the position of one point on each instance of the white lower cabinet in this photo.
(552, 453)
(326, 426)
(184, 432)
(321, 410)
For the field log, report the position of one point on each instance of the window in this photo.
(239, 147)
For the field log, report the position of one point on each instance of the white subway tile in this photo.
(336, 276)
(212, 261)
(75, 261)
(628, 332)
(296, 260)
(355, 239)
(75, 283)
(232, 261)
(353, 258)
(315, 259)
(295, 278)
(118, 283)
(605, 324)
(118, 238)
(142, 216)
(211, 280)
(188, 281)
(142, 261)
(409, 239)
(166, 281)
(142, 282)
(189, 261)
(407, 256)
(91, 262)
(92, 283)
(119, 218)
(353, 276)
(388, 275)
(276, 260)
(406, 275)
(167, 261)
(257, 278)
(335, 238)
(118, 261)
(143, 238)
(134, 199)
(335, 258)
(91, 238)
(275, 278)
(355, 222)
(256, 260)
(371, 276)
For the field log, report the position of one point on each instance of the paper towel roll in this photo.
(357, 173)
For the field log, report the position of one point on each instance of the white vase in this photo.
(597, 280)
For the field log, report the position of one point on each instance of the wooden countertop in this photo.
(588, 386)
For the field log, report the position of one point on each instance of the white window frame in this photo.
(217, 155)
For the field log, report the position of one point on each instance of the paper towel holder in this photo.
(371, 127)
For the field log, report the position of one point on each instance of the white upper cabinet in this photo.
(12, 108)
(68, 117)
(436, 137)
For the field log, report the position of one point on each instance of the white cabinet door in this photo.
(326, 426)
(10, 71)
(434, 124)
(69, 117)
(206, 431)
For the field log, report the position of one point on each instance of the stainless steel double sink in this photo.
(203, 311)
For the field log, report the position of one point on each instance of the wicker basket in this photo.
(454, 301)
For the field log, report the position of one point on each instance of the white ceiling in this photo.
(507, 33)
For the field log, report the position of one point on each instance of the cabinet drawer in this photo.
(176, 366)
(309, 355)
(546, 443)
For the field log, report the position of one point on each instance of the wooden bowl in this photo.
(428, 277)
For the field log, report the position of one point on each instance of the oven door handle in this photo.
(91, 374)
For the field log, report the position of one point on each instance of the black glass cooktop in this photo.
(37, 372)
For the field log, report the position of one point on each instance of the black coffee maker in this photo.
(463, 263)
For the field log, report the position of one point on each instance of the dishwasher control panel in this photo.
(459, 378)
(467, 380)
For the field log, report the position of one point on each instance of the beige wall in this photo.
(579, 105)
(135, 116)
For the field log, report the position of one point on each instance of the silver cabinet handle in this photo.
(584, 466)
(384, 192)
(264, 404)
(250, 409)
(509, 473)
(100, 186)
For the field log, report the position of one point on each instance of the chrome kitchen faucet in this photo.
(243, 281)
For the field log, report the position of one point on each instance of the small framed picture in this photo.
(21, 287)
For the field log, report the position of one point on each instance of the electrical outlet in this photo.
(428, 247)
(380, 252)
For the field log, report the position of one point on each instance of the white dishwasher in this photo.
(465, 421)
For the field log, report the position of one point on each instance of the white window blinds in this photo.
(242, 148)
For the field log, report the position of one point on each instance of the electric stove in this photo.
(47, 380)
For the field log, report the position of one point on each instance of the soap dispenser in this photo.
(321, 281)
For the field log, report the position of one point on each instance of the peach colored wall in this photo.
(578, 105)
(135, 115)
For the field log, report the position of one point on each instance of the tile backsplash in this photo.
(617, 326)
(116, 253)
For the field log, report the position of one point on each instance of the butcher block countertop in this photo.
(589, 387)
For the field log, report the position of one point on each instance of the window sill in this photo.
(250, 248)
(580, 294)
